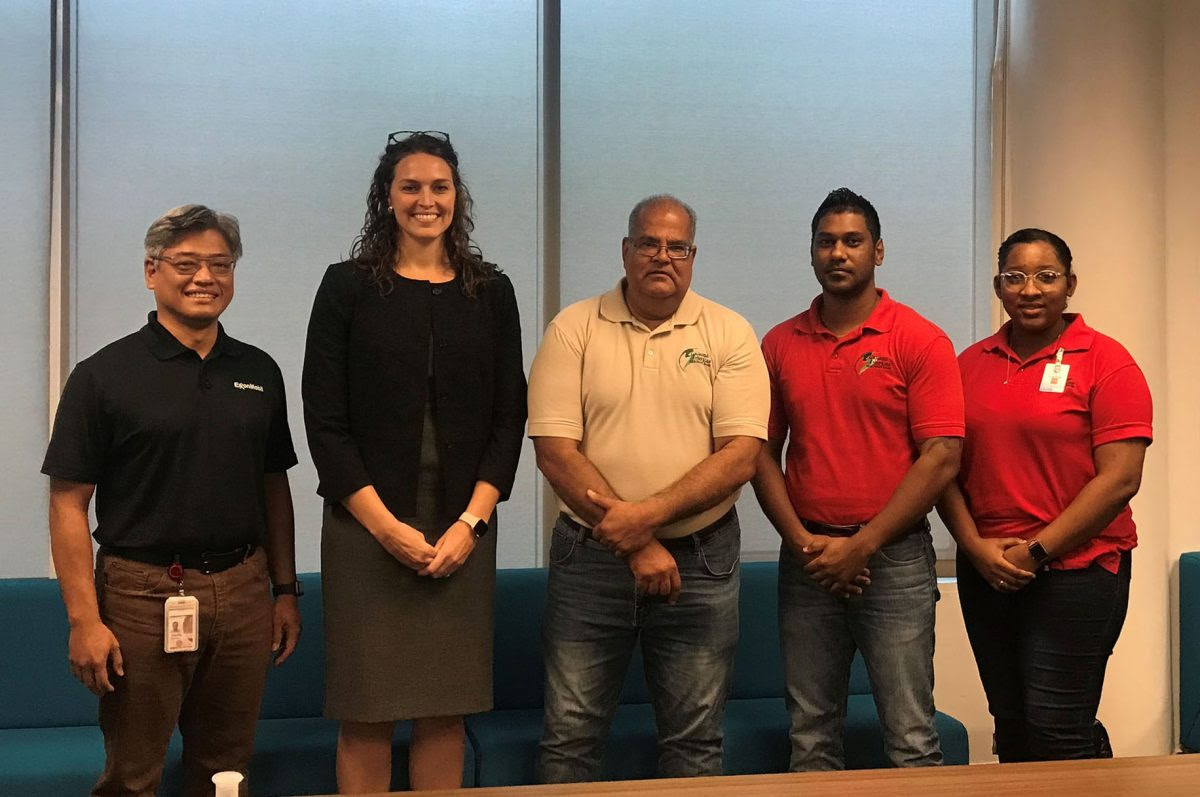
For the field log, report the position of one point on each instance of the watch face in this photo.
(481, 528)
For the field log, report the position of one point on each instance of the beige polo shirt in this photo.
(646, 404)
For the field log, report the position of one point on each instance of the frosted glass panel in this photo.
(752, 112)
(277, 113)
(24, 268)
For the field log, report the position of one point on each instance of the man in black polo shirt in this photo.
(181, 432)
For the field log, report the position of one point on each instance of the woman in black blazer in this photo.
(414, 404)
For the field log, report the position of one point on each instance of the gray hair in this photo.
(635, 215)
(185, 220)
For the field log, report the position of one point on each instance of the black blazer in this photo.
(366, 374)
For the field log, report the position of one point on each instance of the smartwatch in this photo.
(477, 525)
(292, 588)
(1037, 553)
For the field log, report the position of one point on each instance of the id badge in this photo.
(1054, 378)
(181, 617)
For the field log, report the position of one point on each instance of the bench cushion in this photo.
(507, 745)
(756, 741)
(39, 690)
(1189, 652)
(299, 756)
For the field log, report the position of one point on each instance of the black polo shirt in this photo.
(176, 446)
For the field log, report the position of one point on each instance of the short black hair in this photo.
(1032, 235)
(843, 200)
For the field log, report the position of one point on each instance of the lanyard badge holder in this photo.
(1054, 378)
(181, 617)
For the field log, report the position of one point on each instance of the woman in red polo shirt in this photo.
(1058, 421)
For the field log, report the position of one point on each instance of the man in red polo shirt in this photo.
(868, 395)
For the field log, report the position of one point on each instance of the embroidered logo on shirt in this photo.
(872, 360)
(690, 356)
(248, 386)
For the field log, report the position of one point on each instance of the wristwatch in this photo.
(477, 525)
(1038, 553)
(292, 588)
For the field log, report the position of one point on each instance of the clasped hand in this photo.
(438, 560)
(1003, 562)
(627, 530)
(655, 571)
(627, 526)
(839, 564)
(450, 551)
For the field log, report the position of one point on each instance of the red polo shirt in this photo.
(1028, 453)
(858, 406)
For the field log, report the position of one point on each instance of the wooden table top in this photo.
(1153, 776)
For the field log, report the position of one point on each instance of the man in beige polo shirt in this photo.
(647, 408)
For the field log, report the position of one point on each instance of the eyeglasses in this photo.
(648, 248)
(1015, 280)
(400, 135)
(187, 266)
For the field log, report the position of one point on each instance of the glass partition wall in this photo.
(564, 112)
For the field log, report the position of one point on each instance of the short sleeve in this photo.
(1121, 406)
(777, 422)
(280, 453)
(556, 384)
(82, 435)
(741, 390)
(935, 394)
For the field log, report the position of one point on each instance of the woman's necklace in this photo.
(1008, 360)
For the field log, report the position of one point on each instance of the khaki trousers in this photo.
(213, 694)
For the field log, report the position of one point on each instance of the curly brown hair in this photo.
(376, 247)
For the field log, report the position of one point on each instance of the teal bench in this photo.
(1189, 652)
(756, 723)
(51, 745)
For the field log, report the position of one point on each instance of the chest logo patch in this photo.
(248, 386)
(871, 360)
(690, 356)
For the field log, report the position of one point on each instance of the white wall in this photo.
(1102, 116)
(1181, 222)
(957, 690)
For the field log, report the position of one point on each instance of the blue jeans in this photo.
(892, 624)
(595, 615)
(1042, 652)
